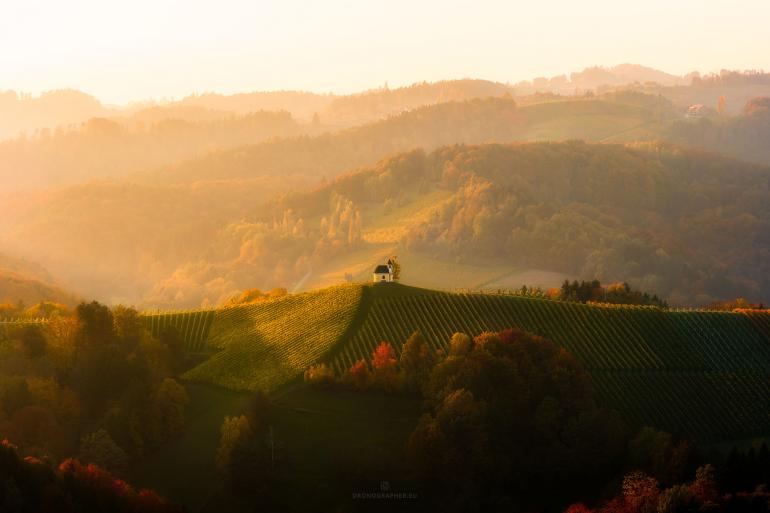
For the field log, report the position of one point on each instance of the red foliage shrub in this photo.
(383, 357)
(578, 507)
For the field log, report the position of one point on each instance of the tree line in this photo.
(94, 386)
(511, 424)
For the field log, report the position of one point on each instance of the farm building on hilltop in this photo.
(383, 273)
(695, 111)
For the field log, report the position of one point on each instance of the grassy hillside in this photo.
(702, 374)
(591, 120)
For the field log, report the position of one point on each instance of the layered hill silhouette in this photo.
(24, 283)
(198, 231)
(654, 215)
(102, 148)
(685, 224)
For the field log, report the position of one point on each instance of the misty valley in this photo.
(465, 295)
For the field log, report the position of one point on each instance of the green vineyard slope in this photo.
(701, 374)
(193, 326)
(261, 346)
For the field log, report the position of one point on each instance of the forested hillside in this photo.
(196, 232)
(353, 109)
(744, 136)
(683, 224)
(24, 112)
(687, 225)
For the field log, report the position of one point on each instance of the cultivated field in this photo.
(702, 374)
(264, 345)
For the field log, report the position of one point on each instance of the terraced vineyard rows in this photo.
(264, 345)
(193, 326)
(7, 326)
(703, 374)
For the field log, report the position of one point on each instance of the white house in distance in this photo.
(383, 273)
(695, 111)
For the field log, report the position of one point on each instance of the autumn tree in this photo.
(37, 429)
(171, 400)
(33, 341)
(722, 105)
(396, 268)
(416, 361)
(659, 454)
(30, 485)
(99, 448)
(513, 419)
(705, 485)
(359, 375)
(640, 492)
(94, 324)
(320, 374)
(460, 344)
(246, 453)
(384, 366)
(234, 431)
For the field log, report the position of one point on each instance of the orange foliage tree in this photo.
(359, 375)
(385, 366)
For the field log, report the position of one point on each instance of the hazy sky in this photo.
(135, 49)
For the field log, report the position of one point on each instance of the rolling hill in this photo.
(197, 232)
(353, 109)
(28, 283)
(697, 373)
(102, 148)
(15, 287)
(472, 121)
(211, 195)
(681, 223)
(265, 346)
(23, 112)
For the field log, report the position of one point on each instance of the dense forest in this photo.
(92, 382)
(512, 425)
(654, 215)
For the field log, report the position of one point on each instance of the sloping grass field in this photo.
(701, 374)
